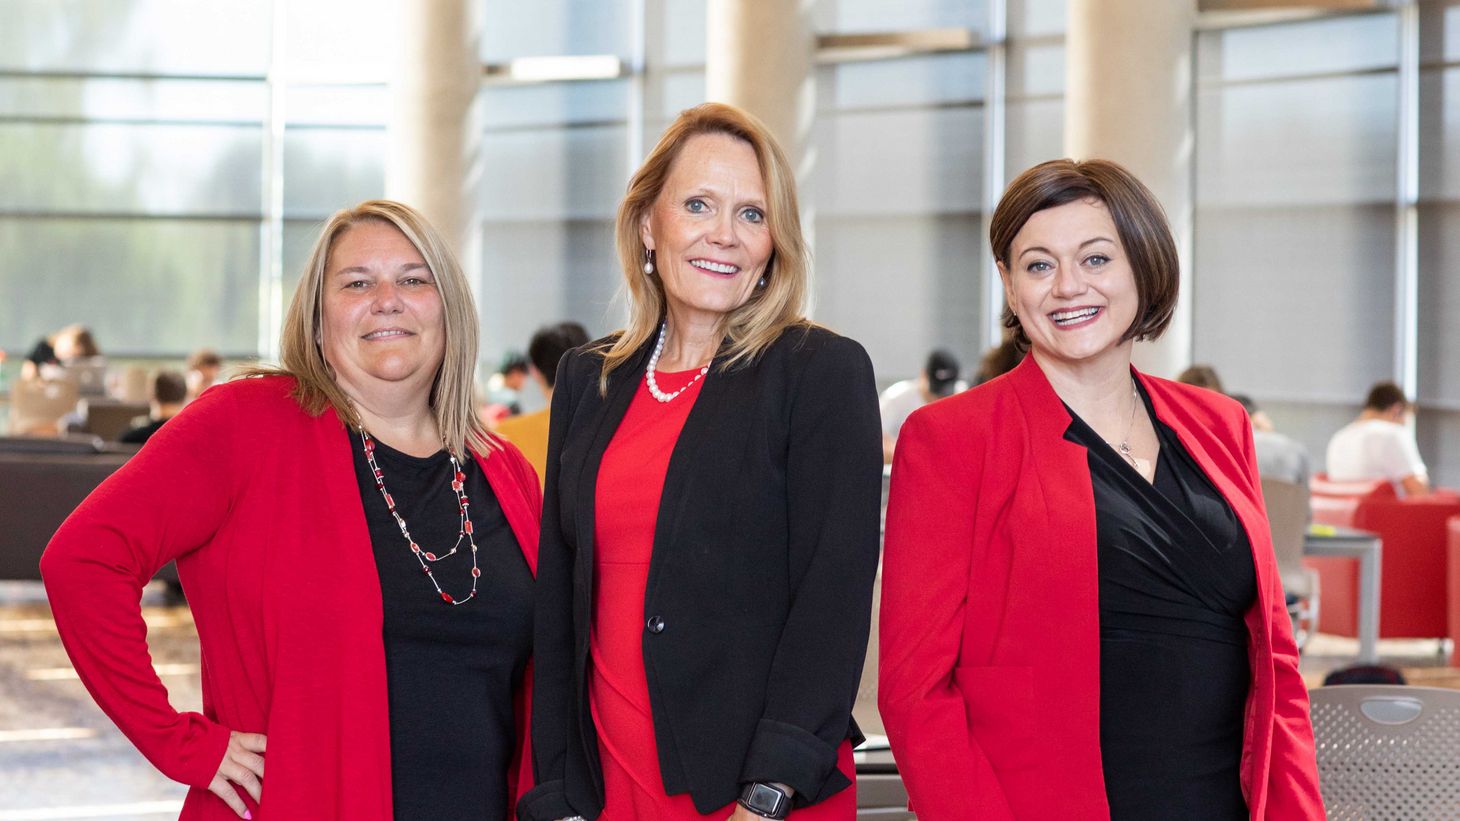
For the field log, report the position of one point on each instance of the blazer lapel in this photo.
(622, 384)
(508, 489)
(1062, 466)
(720, 410)
(1061, 559)
(1226, 469)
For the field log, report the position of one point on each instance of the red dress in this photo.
(630, 482)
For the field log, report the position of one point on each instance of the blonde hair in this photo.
(452, 392)
(781, 304)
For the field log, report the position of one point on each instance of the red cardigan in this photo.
(990, 636)
(259, 504)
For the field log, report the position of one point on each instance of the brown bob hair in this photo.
(751, 328)
(1139, 220)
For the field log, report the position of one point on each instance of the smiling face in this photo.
(708, 228)
(382, 323)
(1070, 282)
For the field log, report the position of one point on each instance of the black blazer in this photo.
(760, 586)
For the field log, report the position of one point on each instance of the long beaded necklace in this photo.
(464, 530)
(654, 365)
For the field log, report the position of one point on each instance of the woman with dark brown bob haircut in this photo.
(1081, 613)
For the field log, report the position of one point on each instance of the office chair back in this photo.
(1388, 752)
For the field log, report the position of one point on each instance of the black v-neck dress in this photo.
(1176, 579)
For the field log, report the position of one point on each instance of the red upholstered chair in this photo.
(1454, 585)
(1414, 568)
(1335, 503)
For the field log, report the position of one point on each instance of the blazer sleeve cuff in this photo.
(545, 802)
(787, 754)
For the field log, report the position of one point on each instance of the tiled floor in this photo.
(61, 758)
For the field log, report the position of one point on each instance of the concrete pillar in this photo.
(434, 129)
(760, 55)
(1128, 98)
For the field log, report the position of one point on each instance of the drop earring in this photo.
(648, 261)
(761, 284)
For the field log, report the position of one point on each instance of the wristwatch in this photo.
(765, 800)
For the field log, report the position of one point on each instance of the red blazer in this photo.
(259, 504)
(990, 637)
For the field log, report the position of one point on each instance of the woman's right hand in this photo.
(243, 764)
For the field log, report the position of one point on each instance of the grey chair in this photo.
(37, 405)
(110, 418)
(1287, 518)
(1388, 752)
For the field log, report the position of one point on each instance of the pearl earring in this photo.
(761, 284)
(648, 261)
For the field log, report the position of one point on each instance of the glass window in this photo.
(130, 168)
(854, 16)
(145, 286)
(1296, 153)
(191, 37)
(1438, 420)
(554, 27)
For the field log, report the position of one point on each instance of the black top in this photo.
(140, 434)
(759, 594)
(451, 671)
(1176, 578)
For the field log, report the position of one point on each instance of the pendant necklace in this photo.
(1124, 448)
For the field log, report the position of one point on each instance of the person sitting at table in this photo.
(203, 368)
(168, 395)
(1379, 444)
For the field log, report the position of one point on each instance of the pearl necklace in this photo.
(654, 364)
(464, 531)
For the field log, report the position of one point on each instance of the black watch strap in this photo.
(766, 800)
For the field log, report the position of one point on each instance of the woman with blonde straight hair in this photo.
(710, 518)
(357, 551)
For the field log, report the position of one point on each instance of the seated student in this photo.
(1202, 376)
(529, 432)
(998, 360)
(1379, 445)
(169, 394)
(504, 388)
(41, 362)
(939, 379)
(1278, 456)
(77, 349)
(204, 365)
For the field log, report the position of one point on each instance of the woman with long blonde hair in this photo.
(710, 518)
(357, 551)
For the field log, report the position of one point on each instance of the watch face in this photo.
(765, 799)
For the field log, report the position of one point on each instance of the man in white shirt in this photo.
(938, 379)
(1379, 445)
